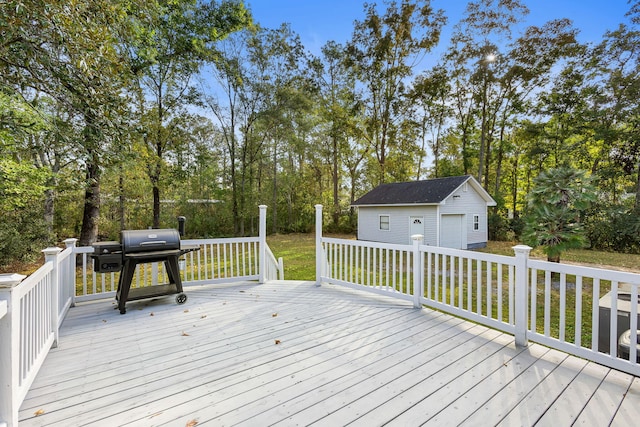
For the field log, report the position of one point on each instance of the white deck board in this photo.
(343, 357)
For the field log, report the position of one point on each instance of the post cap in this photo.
(9, 280)
(51, 251)
(71, 242)
(522, 249)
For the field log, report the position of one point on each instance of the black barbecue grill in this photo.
(139, 247)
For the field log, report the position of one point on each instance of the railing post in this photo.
(319, 251)
(51, 255)
(72, 243)
(280, 269)
(418, 285)
(262, 245)
(521, 294)
(9, 350)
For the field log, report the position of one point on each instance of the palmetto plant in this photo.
(555, 206)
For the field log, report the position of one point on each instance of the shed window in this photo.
(384, 222)
(476, 222)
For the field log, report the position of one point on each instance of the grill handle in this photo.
(154, 243)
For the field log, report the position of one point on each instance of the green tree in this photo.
(338, 115)
(22, 230)
(556, 203)
(383, 52)
(170, 52)
(68, 50)
(430, 95)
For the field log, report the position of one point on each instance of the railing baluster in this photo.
(461, 282)
(613, 324)
(402, 269)
(438, 277)
(444, 279)
(225, 261)
(563, 306)
(375, 266)
(237, 249)
(489, 289)
(499, 290)
(511, 294)
(479, 287)
(218, 258)
(633, 325)
(393, 266)
(429, 273)
(385, 252)
(578, 320)
(534, 296)
(547, 303)
(452, 279)
(244, 259)
(469, 284)
(84, 274)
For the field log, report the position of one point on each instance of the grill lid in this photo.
(150, 240)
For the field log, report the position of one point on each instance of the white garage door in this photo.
(452, 231)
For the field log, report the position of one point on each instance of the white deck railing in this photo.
(569, 315)
(216, 261)
(33, 308)
(31, 311)
(556, 305)
(381, 268)
(225, 260)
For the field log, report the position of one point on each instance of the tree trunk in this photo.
(274, 194)
(156, 206)
(499, 163)
(155, 182)
(121, 199)
(636, 206)
(514, 188)
(91, 213)
(49, 209)
(335, 180)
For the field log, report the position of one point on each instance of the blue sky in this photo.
(318, 21)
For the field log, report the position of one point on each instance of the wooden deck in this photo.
(289, 353)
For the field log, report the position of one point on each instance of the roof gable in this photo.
(431, 191)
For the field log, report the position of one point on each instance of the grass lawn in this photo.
(298, 254)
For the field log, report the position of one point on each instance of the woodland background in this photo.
(123, 114)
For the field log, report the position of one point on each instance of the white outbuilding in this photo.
(449, 212)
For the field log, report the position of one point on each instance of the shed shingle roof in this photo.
(414, 192)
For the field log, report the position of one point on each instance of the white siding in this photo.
(469, 203)
(369, 223)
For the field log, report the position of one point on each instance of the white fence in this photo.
(557, 305)
(215, 261)
(32, 309)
